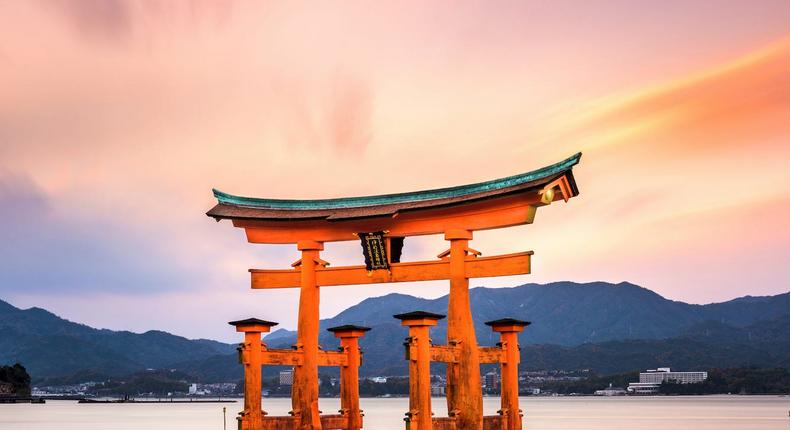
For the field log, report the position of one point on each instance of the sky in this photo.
(117, 118)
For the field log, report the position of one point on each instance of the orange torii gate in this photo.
(381, 222)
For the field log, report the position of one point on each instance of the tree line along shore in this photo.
(16, 382)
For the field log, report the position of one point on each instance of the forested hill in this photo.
(48, 345)
(602, 326)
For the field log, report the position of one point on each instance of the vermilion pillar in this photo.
(464, 393)
(418, 346)
(251, 418)
(304, 393)
(508, 329)
(349, 374)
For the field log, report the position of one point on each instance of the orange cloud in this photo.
(124, 115)
(710, 109)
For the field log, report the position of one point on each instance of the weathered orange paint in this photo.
(476, 267)
(304, 392)
(445, 353)
(508, 335)
(490, 354)
(419, 416)
(328, 422)
(280, 357)
(251, 418)
(464, 396)
(451, 354)
(349, 378)
(289, 357)
(488, 214)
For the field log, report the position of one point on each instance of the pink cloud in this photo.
(121, 118)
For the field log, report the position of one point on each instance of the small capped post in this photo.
(508, 329)
(250, 355)
(349, 374)
(418, 346)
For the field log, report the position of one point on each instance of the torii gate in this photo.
(455, 212)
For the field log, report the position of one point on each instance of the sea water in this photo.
(540, 413)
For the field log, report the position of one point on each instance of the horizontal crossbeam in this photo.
(450, 354)
(490, 422)
(332, 358)
(291, 422)
(444, 353)
(476, 267)
(287, 357)
(483, 215)
(491, 354)
(281, 357)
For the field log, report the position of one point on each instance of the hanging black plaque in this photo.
(374, 248)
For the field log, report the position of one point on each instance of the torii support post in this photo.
(418, 350)
(304, 393)
(349, 374)
(251, 418)
(508, 329)
(464, 396)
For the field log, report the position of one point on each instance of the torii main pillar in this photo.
(304, 392)
(464, 396)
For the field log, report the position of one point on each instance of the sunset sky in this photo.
(117, 118)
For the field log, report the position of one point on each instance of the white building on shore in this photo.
(650, 381)
(610, 391)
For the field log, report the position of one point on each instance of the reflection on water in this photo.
(541, 413)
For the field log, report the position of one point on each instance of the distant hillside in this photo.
(562, 313)
(567, 313)
(51, 346)
(707, 345)
(279, 334)
(605, 327)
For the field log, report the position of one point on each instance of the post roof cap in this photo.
(419, 315)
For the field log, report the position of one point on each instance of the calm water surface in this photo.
(541, 413)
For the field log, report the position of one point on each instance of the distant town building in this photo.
(491, 381)
(650, 381)
(199, 389)
(437, 390)
(378, 379)
(287, 377)
(610, 391)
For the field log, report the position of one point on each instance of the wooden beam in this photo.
(444, 353)
(490, 354)
(501, 212)
(288, 357)
(334, 422)
(281, 357)
(499, 265)
(290, 422)
(476, 267)
(332, 358)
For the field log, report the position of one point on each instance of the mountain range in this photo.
(600, 326)
(48, 345)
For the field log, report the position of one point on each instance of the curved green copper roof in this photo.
(398, 198)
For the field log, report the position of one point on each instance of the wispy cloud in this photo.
(708, 106)
(46, 252)
(122, 23)
(118, 117)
